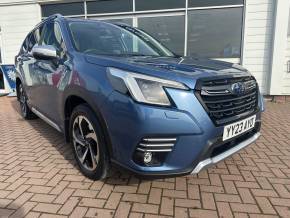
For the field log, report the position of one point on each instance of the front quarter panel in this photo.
(89, 82)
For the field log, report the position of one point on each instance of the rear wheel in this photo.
(25, 110)
(88, 143)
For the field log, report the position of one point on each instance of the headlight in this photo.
(146, 89)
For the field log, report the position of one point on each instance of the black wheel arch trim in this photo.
(83, 94)
(21, 81)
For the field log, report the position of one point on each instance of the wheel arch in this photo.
(71, 101)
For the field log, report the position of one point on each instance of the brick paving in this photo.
(39, 177)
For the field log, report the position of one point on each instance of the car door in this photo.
(25, 65)
(51, 72)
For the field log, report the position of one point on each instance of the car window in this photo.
(33, 39)
(108, 39)
(25, 44)
(52, 36)
(31, 42)
(37, 34)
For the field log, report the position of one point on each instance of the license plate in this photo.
(239, 127)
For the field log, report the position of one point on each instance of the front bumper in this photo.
(198, 139)
(214, 160)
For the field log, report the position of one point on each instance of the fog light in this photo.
(147, 157)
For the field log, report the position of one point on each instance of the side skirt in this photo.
(46, 119)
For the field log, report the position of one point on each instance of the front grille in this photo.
(224, 103)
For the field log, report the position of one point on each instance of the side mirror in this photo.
(45, 52)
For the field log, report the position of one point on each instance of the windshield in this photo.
(102, 38)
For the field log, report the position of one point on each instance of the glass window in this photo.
(31, 42)
(109, 6)
(74, 8)
(101, 38)
(142, 5)
(128, 21)
(215, 33)
(37, 33)
(169, 30)
(52, 36)
(33, 39)
(25, 44)
(207, 3)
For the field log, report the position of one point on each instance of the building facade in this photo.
(254, 33)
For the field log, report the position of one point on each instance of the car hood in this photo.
(182, 69)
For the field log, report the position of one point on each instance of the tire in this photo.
(25, 110)
(88, 143)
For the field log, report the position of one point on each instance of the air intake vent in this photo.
(156, 145)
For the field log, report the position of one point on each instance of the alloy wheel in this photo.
(85, 143)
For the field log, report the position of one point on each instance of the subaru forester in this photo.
(121, 97)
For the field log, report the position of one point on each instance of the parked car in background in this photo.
(119, 96)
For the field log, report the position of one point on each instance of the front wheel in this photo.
(88, 143)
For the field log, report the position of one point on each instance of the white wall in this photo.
(286, 75)
(279, 47)
(16, 21)
(258, 40)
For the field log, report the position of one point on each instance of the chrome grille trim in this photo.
(154, 150)
(156, 144)
(216, 92)
(226, 100)
(159, 139)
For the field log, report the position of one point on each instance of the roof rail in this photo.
(51, 17)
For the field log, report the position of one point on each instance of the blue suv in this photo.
(120, 96)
